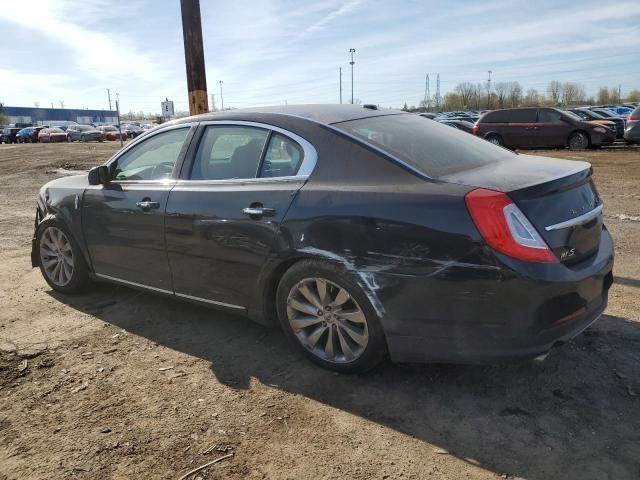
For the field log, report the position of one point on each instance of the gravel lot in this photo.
(122, 384)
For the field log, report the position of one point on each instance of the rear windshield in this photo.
(429, 147)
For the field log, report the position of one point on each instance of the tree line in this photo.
(478, 96)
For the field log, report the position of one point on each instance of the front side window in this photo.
(549, 116)
(283, 158)
(429, 147)
(229, 152)
(153, 158)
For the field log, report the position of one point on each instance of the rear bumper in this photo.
(522, 311)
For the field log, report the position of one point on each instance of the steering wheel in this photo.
(161, 170)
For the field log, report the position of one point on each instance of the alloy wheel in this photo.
(327, 320)
(56, 256)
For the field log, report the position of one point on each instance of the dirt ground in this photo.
(122, 384)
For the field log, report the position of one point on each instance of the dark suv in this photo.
(540, 127)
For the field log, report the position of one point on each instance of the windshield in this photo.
(55, 130)
(575, 116)
(429, 147)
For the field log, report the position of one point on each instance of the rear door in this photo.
(225, 212)
(522, 124)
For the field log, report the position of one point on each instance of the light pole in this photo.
(489, 90)
(221, 98)
(352, 51)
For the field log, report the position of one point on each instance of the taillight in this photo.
(475, 129)
(505, 228)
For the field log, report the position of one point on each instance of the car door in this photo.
(551, 130)
(522, 124)
(123, 220)
(223, 215)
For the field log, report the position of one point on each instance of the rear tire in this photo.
(495, 139)
(339, 330)
(578, 141)
(62, 263)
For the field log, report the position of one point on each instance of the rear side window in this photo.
(229, 152)
(283, 157)
(525, 115)
(429, 147)
(499, 116)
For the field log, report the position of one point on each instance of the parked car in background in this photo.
(109, 132)
(132, 130)
(361, 231)
(609, 115)
(428, 115)
(540, 128)
(463, 125)
(9, 134)
(592, 117)
(83, 133)
(621, 111)
(51, 135)
(632, 128)
(29, 134)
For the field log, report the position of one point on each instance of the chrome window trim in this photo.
(580, 220)
(239, 181)
(162, 290)
(308, 162)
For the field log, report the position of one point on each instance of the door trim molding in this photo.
(213, 302)
(162, 290)
(134, 284)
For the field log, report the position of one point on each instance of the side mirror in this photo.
(99, 175)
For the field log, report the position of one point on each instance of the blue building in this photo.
(48, 116)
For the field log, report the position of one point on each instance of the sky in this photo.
(270, 52)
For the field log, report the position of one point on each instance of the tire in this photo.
(73, 274)
(495, 139)
(324, 335)
(578, 141)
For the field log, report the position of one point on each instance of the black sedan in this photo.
(464, 125)
(361, 232)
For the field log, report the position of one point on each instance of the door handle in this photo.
(147, 205)
(259, 211)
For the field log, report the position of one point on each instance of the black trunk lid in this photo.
(558, 197)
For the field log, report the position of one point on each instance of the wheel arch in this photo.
(266, 312)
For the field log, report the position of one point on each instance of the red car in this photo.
(53, 134)
(111, 133)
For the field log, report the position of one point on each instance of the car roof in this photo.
(326, 114)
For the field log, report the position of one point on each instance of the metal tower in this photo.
(438, 97)
(427, 94)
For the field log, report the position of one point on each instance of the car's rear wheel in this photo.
(329, 317)
(578, 141)
(495, 139)
(61, 261)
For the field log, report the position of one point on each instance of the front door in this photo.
(222, 220)
(552, 130)
(123, 221)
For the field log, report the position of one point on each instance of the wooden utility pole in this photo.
(194, 56)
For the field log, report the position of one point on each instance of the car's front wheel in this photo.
(329, 317)
(61, 261)
(578, 141)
